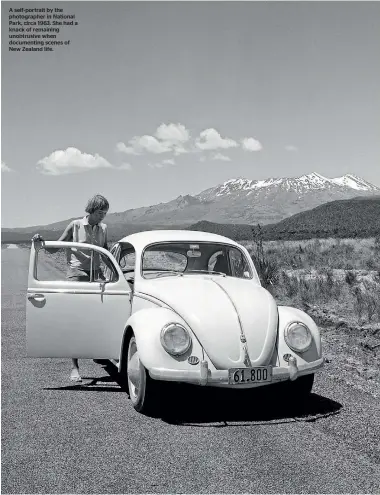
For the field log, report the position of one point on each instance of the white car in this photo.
(176, 306)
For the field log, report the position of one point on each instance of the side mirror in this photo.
(246, 275)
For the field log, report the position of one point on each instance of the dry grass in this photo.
(340, 279)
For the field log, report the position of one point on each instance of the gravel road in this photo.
(64, 438)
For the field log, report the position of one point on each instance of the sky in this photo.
(151, 100)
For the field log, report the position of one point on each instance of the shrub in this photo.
(267, 269)
(376, 245)
(290, 285)
(370, 306)
(358, 303)
(370, 264)
(350, 277)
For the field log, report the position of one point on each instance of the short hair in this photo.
(97, 202)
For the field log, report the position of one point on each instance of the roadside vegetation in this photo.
(336, 282)
(337, 278)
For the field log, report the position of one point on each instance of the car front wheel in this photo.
(142, 389)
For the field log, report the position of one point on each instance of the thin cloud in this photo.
(221, 157)
(125, 166)
(149, 144)
(162, 163)
(251, 144)
(71, 161)
(179, 150)
(290, 147)
(5, 168)
(144, 144)
(129, 150)
(210, 139)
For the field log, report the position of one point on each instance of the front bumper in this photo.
(219, 378)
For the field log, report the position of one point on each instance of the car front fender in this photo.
(146, 326)
(287, 315)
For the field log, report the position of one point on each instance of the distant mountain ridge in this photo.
(238, 201)
(356, 217)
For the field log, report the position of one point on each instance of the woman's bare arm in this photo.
(67, 236)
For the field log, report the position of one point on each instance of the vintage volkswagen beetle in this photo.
(176, 306)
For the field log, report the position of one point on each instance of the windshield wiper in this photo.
(208, 271)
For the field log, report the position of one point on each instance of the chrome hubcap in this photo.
(135, 371)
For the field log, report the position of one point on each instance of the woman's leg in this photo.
(77, 276)
(75, 376)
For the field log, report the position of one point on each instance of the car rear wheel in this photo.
(143, 391)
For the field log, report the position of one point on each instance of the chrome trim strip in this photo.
(152, 299)
(42, 290)
(243, 340)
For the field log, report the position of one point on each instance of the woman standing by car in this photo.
(90, 230)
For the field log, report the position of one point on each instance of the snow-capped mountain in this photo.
(242, 201)
(301, 185)
(250, 201)
(271, 200)
(355, 182)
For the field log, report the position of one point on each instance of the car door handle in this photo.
(36, 297)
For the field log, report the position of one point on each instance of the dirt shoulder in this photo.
(352, 352)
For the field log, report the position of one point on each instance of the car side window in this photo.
(65, 262)
(127, 261)
(213, 259)
(238, 263)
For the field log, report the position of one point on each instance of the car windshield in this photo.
(194, 258)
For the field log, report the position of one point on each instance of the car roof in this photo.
(142, 239)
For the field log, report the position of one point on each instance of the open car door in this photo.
(74, 319)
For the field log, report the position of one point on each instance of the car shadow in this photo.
(183, 404)
(220, 408)
(95, 384)
(189, 405)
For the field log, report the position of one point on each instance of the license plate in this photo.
(261, 374)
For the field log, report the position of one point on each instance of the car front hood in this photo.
(223, 312)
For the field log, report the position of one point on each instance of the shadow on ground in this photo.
(92, 384)
(218, 407)
(196, 406)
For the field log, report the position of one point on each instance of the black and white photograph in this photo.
(190, 247)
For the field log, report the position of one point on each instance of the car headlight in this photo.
(175, 339)
(298, 336)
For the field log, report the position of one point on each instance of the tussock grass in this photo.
(338, 279)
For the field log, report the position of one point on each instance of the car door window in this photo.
(56, 264)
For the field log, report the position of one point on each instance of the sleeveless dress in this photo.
(79, 261)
